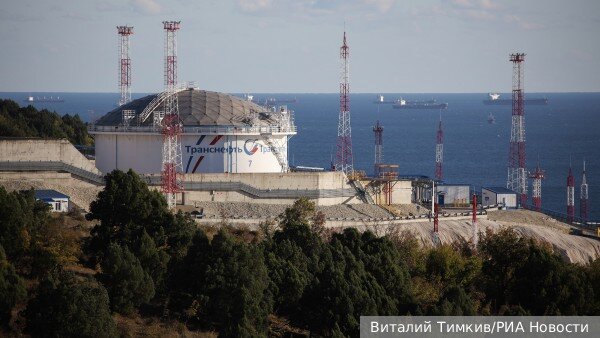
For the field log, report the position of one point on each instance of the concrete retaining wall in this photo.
(35, 156)
(44, 150)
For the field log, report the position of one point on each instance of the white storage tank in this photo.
(221, 133)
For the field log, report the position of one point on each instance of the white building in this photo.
(453, 195)
(57, 201)
(498, 195)
(221, 134)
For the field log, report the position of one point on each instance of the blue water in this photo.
(475, 152)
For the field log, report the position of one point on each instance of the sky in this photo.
(292, 46)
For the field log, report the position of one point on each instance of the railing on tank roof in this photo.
(198, 130)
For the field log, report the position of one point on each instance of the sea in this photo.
(561, 134)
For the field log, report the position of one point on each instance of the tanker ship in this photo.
(381, 100)
(403, 104)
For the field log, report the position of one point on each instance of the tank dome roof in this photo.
(199, 108)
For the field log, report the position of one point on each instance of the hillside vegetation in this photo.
(142, 264)
(28, 121)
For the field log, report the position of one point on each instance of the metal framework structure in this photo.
(127, 115)
(570, 196)
(474, 221)
(172, 127)
(384, 183)
(517, 178)
(124, 64)
(536, 196)
(378, 130)
(344, 161)
(439, 152)
(436, 235)
(583, 199)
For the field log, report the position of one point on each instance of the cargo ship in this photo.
(494, 99)
(381, 100)
(43, 99)
(403, 104)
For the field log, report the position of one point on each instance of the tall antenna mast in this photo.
(124, 64)
(171, 124)
(583, 201)
(517, 179)
(344, 160)
(378, 130)
(570, 196)
(439, 152)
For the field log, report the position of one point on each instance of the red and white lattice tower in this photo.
(439, 153)
(124, 64)
(536, 196)
(378, 130)
(517, 177)
(171, 124)
(475, 230)
(344, 161)
(583, 201)
(570, 196)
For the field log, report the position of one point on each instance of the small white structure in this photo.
(57, 201)
(498, 195)
(453, 194)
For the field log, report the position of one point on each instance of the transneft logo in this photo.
(250, 147)
(250, 150)
(204, 150)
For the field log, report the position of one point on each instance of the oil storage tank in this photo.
(221, 134)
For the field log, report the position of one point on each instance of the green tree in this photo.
(229, 281)
(23, 232)
(384, 262)
(502, 253)
(67, 307)
(12, 288)
(546, 285)
(127, 283)
(126, 208)
(28, 121)
(153, 261)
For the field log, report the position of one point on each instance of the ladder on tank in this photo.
(275, 149)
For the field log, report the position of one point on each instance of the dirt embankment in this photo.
(572, 248)
(262, 211)
(80, 193)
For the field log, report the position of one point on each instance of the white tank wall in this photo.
(201, 153)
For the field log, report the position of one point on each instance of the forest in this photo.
(28, 121)
(293, 277)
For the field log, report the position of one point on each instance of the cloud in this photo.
(524, 24)
(312, 8)
(383, 6)
(488, 4)
(255, 5)
(478, 14)
(475, 4)
(480, 10)
(146, 7)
